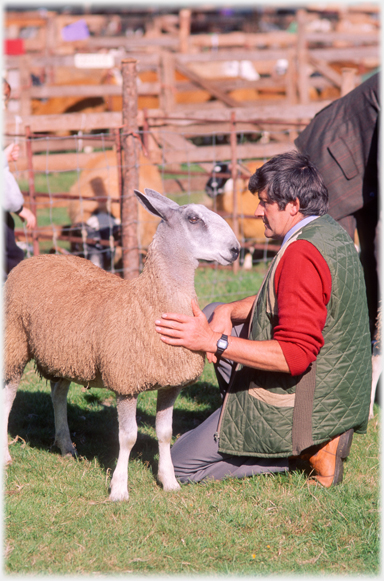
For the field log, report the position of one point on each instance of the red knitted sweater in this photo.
(303, 285)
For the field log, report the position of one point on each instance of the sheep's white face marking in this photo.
(208, 235)
(192, 230)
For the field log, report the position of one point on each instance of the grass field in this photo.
(58, 520)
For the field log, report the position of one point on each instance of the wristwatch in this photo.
(222, 344)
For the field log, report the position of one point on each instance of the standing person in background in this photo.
(12, 200)
(303, 344)
(342, 141)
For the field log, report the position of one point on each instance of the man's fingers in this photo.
(211, 357)
(195, 308)
(168, 330)
(171, 340)
(172, 317)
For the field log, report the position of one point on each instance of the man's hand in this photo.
(194, 332)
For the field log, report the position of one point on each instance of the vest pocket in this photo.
(280, 400)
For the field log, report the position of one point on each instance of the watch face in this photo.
(221, 344)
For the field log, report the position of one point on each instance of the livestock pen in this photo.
(182, 149)
(56, 516)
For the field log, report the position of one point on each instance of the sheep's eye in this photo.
(193, 219)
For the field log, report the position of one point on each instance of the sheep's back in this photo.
(94, 328)
(59, 302)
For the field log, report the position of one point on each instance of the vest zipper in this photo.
(216, 435)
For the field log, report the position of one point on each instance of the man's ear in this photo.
(295, 207)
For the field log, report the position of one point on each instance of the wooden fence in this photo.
(181, 63)
(169, 135)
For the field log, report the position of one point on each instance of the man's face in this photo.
(277, 222)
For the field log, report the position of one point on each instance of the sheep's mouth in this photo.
(234, 255)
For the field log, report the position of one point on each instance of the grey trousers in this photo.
(195, 454)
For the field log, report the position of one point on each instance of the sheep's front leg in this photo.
(59, 392)
(126, 411)
(9, 394)
(165, 400)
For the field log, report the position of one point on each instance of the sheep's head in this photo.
(192, 231)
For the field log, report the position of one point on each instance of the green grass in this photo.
(58, 519)
(223, 286)
(48, 216)
(53, 182)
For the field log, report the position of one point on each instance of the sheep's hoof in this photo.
(169, 486)
(118, 496)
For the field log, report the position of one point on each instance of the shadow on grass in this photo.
(95, 432)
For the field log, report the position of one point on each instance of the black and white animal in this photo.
(82, 324)
(99, 227)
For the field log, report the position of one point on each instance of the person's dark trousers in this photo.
(195, 454)
(13, 254)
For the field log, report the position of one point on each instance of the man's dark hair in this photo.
(290, 176)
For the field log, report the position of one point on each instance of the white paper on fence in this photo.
(94, 60)
(226, 70)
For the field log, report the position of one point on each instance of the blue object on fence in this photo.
(76, 31)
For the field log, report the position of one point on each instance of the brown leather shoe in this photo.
(327, 463)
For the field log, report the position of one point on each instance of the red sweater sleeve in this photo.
(303, 285)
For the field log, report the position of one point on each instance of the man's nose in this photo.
(259, 212)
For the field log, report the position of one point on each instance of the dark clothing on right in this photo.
(342, 141)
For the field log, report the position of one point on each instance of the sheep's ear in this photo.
(155, 203)
(156, 196)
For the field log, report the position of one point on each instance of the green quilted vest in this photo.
(272, 414)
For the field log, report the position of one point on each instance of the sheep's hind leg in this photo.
(165, 400)
(59, 391)
(126, 411)
(9, 394)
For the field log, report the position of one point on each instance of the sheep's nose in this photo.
(235, 252)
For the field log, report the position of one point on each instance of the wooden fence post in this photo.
(233, 142)
(31, 188)
(167, 75)
(131, 148)
(25, 85)
(185, 29)
(302, 58)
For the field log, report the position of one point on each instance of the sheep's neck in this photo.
(174, 271)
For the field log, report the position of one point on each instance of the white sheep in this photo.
(82, 324)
